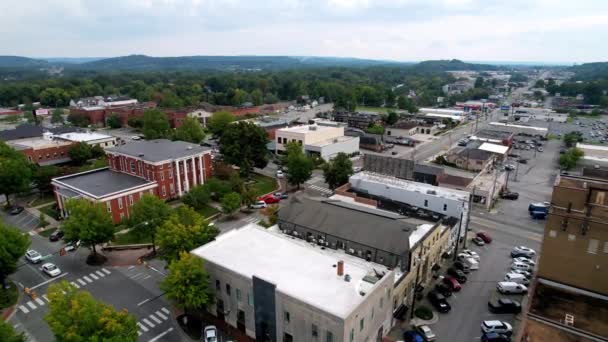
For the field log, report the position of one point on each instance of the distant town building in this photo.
(323, 139)
(98, 108)
(91, 138)
(361, 120)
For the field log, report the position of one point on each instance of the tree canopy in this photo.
(13, 245)
(43, 175)
(197, 197)
(569, 159)
(218, 122)
(300, 166)
(80, 153)
(338, 170)
(15, 171)
(231, 202)
(190, 130)
(75, 316)
(114, 121)
(57, 116)
(147, 214)
(244, 144)
(88, 222)
(8, 333)
(187, 283)
(155, 124)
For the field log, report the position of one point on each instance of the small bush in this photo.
(424, 313)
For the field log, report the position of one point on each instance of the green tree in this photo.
(147, 214)
(156, 125)
(13, 245)
(114, 121)
(391, 118)
(187, 283)
(406, 103)
(219, 121)
(375, 129)
(570, 139)
(197, 197)
(539, 84)
(15, 172)
(271, 98)
(43, 175)
(190, 130)
(80, 153)
(88, 222)
(183, 231)
(79, 120)
(300, 166)
(478, 82)
(75, 316)
(42, 222)
(248, 195)
(135, 122)
(257, 97)
(8, 333)
(244, 144)
(569, 159)
(231, 203)
(57, 116)
(338, 170)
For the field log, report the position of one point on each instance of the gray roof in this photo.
(159, 149)
(427, 169)
(379, 229)
(21, 132)
(102, 182)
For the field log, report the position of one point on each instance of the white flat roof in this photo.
(494, 148)
(298, 269)
(453, 117)
(419, 233)
(306, 128)
(442, 111)
(39, 143)
(331, 141)
(500, 124)
(84, 136)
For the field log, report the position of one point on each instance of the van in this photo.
(520, 266)
(508, 287)
(517, 278)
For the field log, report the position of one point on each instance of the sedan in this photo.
(51, 269)
(522, 251)
(269, 199)
(457, 274)
(426, 333)
(521, 266)
(478, 241)
(504, 305)
(525, 260)
(485, 237)
(33, 256)
(210, 333)
(280, 174)
(56, 235)
(16, 210)
(452, 283)
(280, 195)
(509, 195)
(509, 167)
(472, 254)
(526, 274)
(258, 205)
(496, 327)
(443, 289)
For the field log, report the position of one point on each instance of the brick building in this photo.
(99, 109)
(167, 169)
(43, 150)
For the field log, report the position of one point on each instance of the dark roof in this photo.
(21, 132)
(404, 125)
(159, 149)
(371, 227)
(454, 180)
(427, 169)
(102, 182)
(64, 129)
(493, 134)
(474, 153)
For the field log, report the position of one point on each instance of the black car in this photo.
(509, 195)
(523, 161)
(457, 274)
(443, 289)
(504, 305)
(439, 302)
(16, 210)
(460, 266)
(56, 235)
(495, 337)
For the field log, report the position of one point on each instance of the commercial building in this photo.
(22, 131)
(43, 150)
(360, 120)
(322, 139)
(401, 129)
(524, 114)
(164, 168)
(494, 136)
(520, 129)
(276, 288)
(88, 137)
(569, 301)
(98, 108)
(470, 157)
(594, 155)
(457, 115)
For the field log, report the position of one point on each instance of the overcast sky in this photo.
(404, 30)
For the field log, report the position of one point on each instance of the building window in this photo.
(131, 199)
(286, 317)
(300, 142)
(361, 324)
(351, 338)
(445, 207)
(330, 337)
(228, 291)
(217, 284)
(119, 202)
(606, 247)
(600, 197)
(133, 166)
(109, 206)
(426, 203)
(171, 188)
(552, 233)
(164, 191)
(160, 167)
(238, 295)
(162, 176)
(571, 237)
(141, 194)
(315, 331)
(170, 174)
(149, 175)
(249, 299)
(593, 246)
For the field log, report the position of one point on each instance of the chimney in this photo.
(340, 268)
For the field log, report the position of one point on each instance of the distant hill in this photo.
(452, 65)
(590, 71)
(71, 60)
(21, 62)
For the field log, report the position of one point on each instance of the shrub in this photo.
(423, 312)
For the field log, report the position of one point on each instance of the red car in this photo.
(452, 283)
(485, 237)
(269, 199)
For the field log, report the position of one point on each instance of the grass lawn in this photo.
(208, 211)
(49, 211)
(263, 184)
(129, 238)
(48, 232)
(46, 198)
(374, 109)
(8, 296)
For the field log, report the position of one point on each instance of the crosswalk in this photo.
(251, 219)
(152, 320)
(320, 189)
(85, 280)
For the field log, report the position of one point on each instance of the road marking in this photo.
(31, 232)
(146, 277)
(39, 301)
(136, 275)
(143, 327)
(130, 268)
(31, 305)
(92, 275)
(87, 279)
(81, 282)
(145, 320)
(165, 311)
(161, 315)
(138, 333)
(48, 281)
(108, 272)
(158, 321)
(75, 285)
(144, 302)
(24, 309)
(100, 274)
(161, 335)
(45, 298)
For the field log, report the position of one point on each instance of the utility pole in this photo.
(493, 189)
(516, 169)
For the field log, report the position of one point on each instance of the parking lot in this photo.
(24, 220)
(594, 129)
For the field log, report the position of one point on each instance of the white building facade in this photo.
(322, 139)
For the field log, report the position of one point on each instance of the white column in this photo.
(187, 187)
(200, 168)
(179, 182)
(194, 182)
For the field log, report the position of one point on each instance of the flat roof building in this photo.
(91, 138)
(323, 139)
(494, 136)
(43, 150)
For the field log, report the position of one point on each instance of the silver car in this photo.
(33, 256)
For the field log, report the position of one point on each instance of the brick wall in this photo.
(47, 154)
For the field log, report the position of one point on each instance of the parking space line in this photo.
(150, 324)
(161, 315)
(165, 311)
(158, 321)
(106, 271)
(39, 301)
(146, 277)
(81, 282)
(24, 309)
(31, 305)
(87, 279)
(161, 335)
(100, 274)
(45, 298)
(143, 327)
(75, 285)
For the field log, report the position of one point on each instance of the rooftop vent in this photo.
(312, 127)
(431, 192)
(140, 154)
(347, 277)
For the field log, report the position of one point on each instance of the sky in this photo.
(402, 30)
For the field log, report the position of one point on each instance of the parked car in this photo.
(504, 306)
(517, 278)
(521, 266)
(439, 302)
(56, 235)
(412, 336)
(510, 195)
(33, 256)
(210, 333)
(452, 283)
(496, 326)
(509, 167)
(478, 241)
(426, 332)
(472, 254)
(523, 161)
(458, 274)
(280, 174)
(509, 287)
(485, 237)
(51, 269)
(525, 260)
(443, 289)
(459, 265)
(526, 274)
(16, 210)
(72, 246)
(466, 259)
(280, 195)
(258, 205)
(524, 251)
(269, 199)
(495, 337)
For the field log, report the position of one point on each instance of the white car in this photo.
(526, 274)
(471, 253)
(511, 287)
(495, 326)
(135, 137)
(426, 332)
(33, 256)
(524, 251)
(280, 174)
(525, 260)
(521, 266)
(210, 333)
(258, 205)
(72, 246)
(51, 269)
(517, 278)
